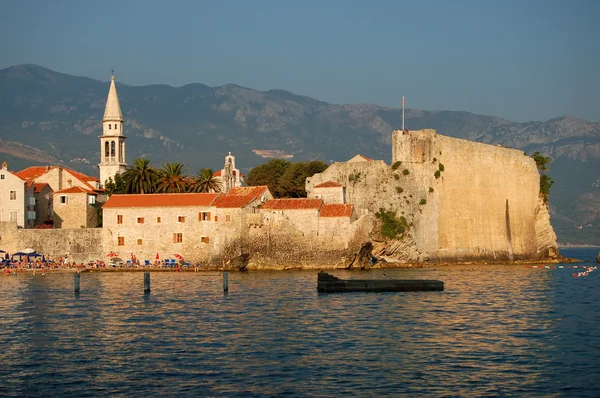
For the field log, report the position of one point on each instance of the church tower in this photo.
(112, 140)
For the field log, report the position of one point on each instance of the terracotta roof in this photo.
(38, 186)
(292, 204)
(225, 201)
(217, 173)
(336, 210)
(328, 184)
(76, 190)
(161, 200)
(31, 173)
(243, 191)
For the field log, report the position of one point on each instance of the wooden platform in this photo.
(327, 283)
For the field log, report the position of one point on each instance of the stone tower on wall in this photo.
(112, 140)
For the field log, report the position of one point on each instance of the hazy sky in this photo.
(521, 60)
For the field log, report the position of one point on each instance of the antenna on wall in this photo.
(403, 113)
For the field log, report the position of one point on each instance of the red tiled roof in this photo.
(233, 201)
(161, 200)
(365, 158)
(76, 190)
(243, 191)
(336, 210)
(328, 184)
(31, 173)
(217, 173)
(38, 186)
(292, 204)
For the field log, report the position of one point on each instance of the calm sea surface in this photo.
(495, 331)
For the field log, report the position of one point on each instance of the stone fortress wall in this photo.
(483, 202)
(79, 244)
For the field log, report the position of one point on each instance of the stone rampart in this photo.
(79, 244)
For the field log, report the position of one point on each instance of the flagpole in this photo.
(402, 113)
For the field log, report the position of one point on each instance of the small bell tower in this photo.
(112, 140)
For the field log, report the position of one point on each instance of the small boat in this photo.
(327, 283)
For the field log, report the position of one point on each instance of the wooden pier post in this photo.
(225, 281)
(146, 282)
(76, 279)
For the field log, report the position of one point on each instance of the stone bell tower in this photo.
(112, 140)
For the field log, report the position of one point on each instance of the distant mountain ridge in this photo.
(53, 117)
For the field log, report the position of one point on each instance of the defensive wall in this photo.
(462, 200)
(79, 244)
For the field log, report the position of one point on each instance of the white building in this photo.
(17, 202)
(112, 140)
(229, 176)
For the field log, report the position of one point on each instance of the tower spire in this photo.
(112, 113)
(112, 140)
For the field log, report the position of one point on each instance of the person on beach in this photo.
(6, 271)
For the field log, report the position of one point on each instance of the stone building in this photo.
(112, 140)
(16, 198)
(65, 198)
(329, 191)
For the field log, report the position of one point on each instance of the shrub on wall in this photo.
(396, 177)
(437, 174)
(396, 165)
(399, 189)
(423, 201)
(441, 167)
(430, 189)
(391, 226)
(405, 172)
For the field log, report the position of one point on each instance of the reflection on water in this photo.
(495, 330)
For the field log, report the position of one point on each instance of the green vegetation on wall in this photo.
(396, 165)
(391, 226)
(546, 181)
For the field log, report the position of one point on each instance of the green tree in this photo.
(268, 174)
(141, 177)
(206, 182)
(541, 161)
(293, 181)
(171, 179)
(546, 182)
(117, 185)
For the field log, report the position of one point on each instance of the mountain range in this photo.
(48, 117)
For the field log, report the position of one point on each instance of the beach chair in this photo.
(146, 263)
(187, 264)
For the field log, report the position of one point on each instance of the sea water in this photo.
(501, 330)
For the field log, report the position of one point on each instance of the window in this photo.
(109, 126)
(31, 201)
(140, 220)
(64, 199)
(158, 220)
(227, 218)
(13, 216)
(121, 240)
(177, 237)
(139, 242)
(216, 218)
(92, 199)
(204, 239)
(13, 195)
(204, 216)
(181, 219)
(1, 176)
(119, 219)
(115, 126)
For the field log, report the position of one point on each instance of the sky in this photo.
(520, 60)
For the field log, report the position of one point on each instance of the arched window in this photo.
(109, 126)
(115, 126)
(112, 148)
(121, 151)
(106, 149)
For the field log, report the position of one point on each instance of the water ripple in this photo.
(494, 331)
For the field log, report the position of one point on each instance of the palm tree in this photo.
(206, 182)
(141, 177)
(171, 179)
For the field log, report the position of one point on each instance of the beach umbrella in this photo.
(2, 251)
(157, 256)
(28, 250)
(43, 259)
(112, 254)
(178, 256)
(6, 256)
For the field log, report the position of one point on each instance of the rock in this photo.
(364, 258)
(598, 258)
(238, 263)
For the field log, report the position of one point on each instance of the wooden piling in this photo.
(225, 281)
(76, 279)
(146, 282)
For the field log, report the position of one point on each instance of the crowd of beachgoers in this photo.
(64, 263)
